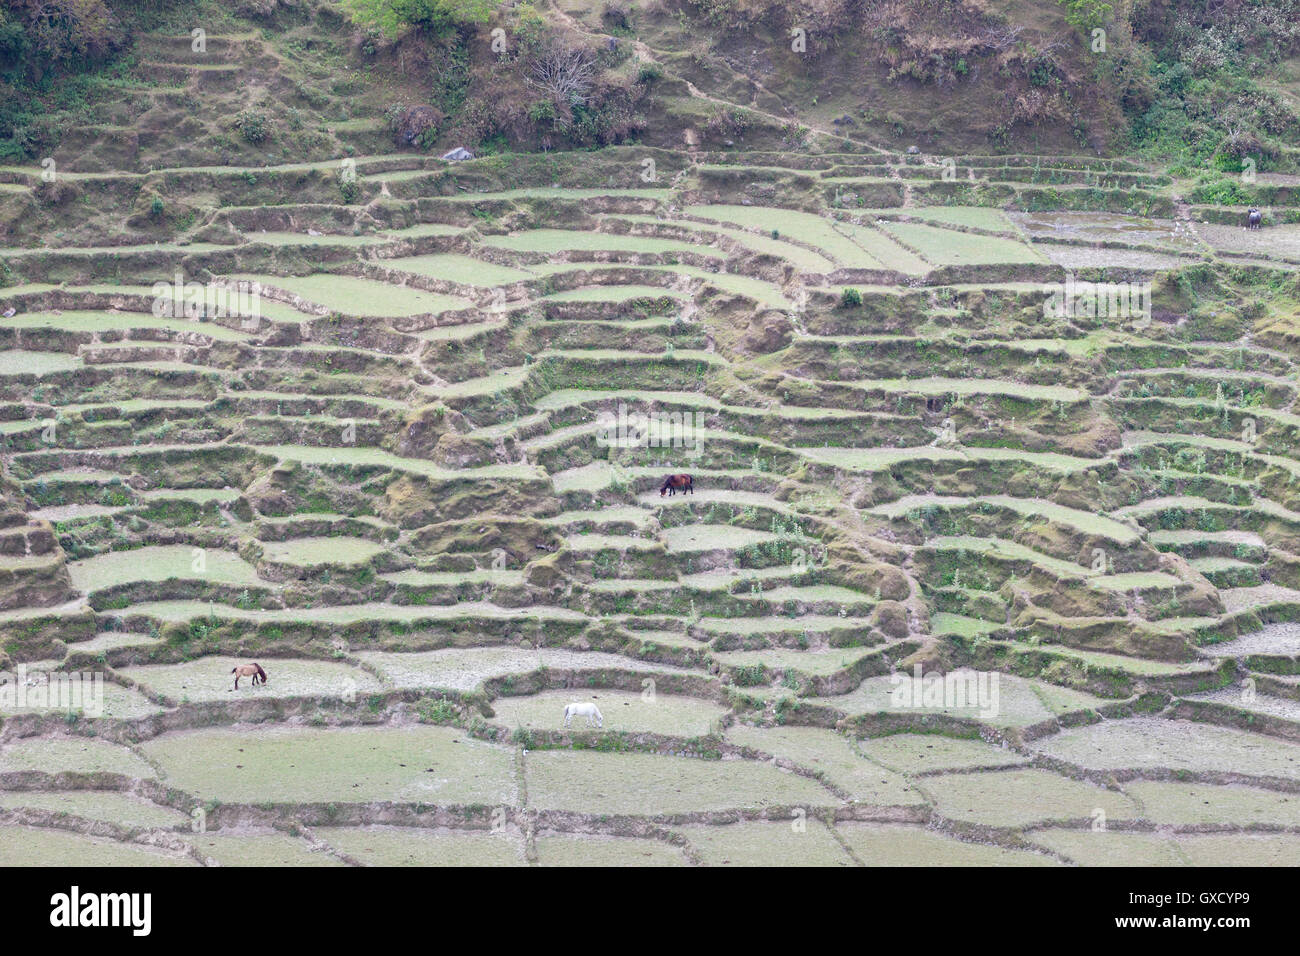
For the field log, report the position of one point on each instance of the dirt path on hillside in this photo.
(646, 54)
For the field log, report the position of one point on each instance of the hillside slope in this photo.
(303, 82)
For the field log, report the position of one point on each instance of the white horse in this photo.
(590, 711)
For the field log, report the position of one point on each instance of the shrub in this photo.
(850, 299)
(393, 17)
(253, 126)
(615, 18)
(349, 189)
(1087, 14)
(750, 675)
(1223, 192)
(543, 111)
(437, 710)
(415, 125)
(62, 31)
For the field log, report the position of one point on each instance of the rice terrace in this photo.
(650, 432)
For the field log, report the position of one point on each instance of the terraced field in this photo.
(419, 483)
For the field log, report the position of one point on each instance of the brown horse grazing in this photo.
(249, 670)
(673, 482)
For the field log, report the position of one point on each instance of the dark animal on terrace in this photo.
(673, 483)
(1254, 218)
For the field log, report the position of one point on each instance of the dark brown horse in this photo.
(249, 670)
(673, 483)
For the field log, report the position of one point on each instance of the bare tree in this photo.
(564, 74)
(1002, 37)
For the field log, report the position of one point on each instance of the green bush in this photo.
(542, 111)
(253, 126)
(1223, 192)
(850, 299)
(394, 17)
(349, 189)
(1087, 14)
